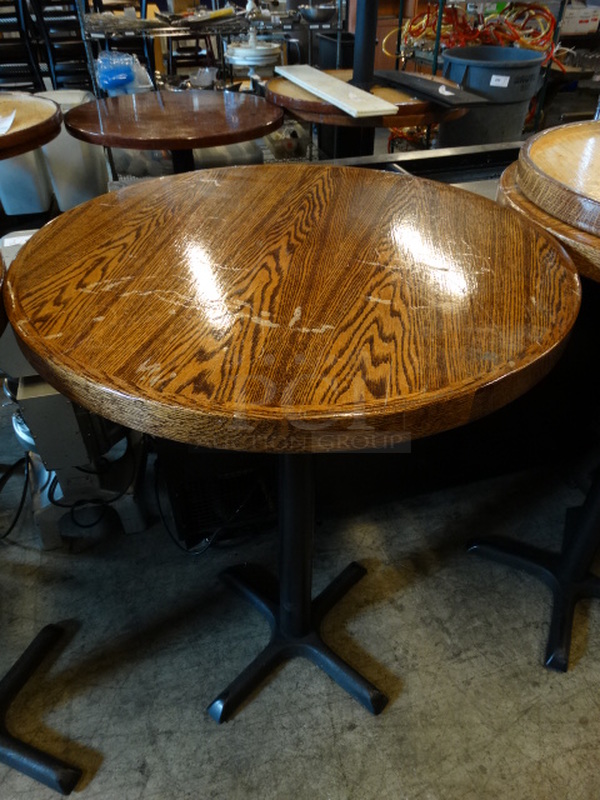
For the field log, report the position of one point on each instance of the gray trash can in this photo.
(507, 76)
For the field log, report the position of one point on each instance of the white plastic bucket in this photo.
(77, 169)
(25, 184)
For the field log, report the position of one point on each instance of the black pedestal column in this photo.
(339, 141)
(365, 39)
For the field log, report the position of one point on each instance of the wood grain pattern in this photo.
(310, 108)
(559, 171)
(295, 307)
(584, 248)
(174, 120)
(36, 122)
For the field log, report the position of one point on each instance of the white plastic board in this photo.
(353, 101)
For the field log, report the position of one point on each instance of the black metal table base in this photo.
(259, 587)
(566, 573)
(183, 161)
(293, 615)
(23, 757)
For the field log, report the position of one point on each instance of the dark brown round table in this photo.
(292, 309)
(175, 121)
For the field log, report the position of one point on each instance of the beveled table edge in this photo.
(543, 190)
(27, 139)
(580, 245)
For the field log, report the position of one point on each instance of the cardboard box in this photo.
(580, 20)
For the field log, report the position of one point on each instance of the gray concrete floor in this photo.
(456, 642)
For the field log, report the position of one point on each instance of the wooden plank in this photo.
(283, 92)
(353, 101)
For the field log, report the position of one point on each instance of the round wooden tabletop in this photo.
(584, 248)
(310, 108)
(37, 121)
(174, 120)
(559, 171)
(292, 307)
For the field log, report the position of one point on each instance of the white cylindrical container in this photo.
(77, 169)
(25, 184)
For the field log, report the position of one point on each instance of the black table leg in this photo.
(293, 615)
(566, 573)
(25, 758)
(183, 161)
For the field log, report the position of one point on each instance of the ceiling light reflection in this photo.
(586, 173)
(440, 268)
(207, 287)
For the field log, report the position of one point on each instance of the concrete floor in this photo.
(456, 642)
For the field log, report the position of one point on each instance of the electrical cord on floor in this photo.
(214, 539)
(22, 462)
(100, 503)
(78, 505)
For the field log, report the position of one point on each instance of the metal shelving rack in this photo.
(436, 49)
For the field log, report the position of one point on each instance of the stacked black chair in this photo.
(19, 58)
(185, 54)
(60, 28)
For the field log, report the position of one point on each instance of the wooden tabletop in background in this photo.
(583, 247)
(174, 120)
(559, 171)
(37, 121)
(310, 108)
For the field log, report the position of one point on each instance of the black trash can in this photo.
(328, 44)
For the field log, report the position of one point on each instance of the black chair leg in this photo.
(25, 758)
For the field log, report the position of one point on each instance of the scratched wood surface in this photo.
(583, 247)
(559, 171)
(174, 120)
(296, 307)
(37, 121)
